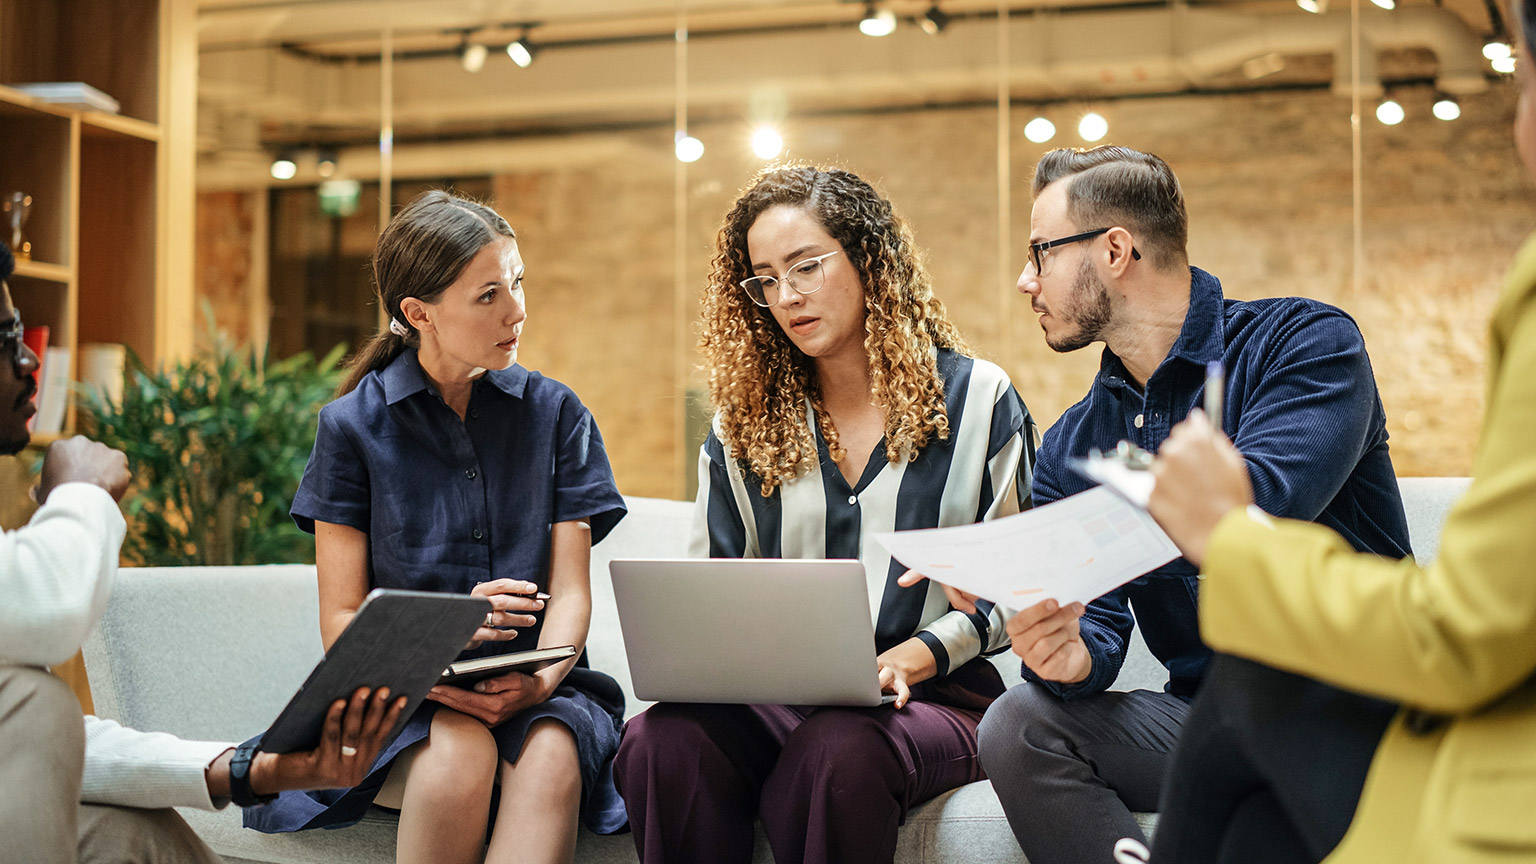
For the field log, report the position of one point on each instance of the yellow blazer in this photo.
(1456, 638)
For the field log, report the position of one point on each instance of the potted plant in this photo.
(217, 444)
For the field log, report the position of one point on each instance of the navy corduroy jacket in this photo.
(1301, 404)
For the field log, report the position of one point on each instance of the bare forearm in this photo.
(332, 625)
(567, 620)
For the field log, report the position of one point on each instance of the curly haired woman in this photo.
(847, 405)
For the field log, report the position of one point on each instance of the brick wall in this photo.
(1267, 177)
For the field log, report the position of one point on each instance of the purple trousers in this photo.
(830, 784)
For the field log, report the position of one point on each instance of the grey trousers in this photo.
(1070, 774)
(42, 755)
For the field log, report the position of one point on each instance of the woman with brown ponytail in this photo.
(444, 466)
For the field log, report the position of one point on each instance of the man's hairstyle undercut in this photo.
(1117, 186)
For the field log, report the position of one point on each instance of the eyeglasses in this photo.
(805, 277)
(10, 338)
(1037, 250)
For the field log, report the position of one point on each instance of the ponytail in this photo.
(379, 351)
(421, 252)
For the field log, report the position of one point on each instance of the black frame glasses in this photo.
(1036, 248)
(757, 287)
(12, 332)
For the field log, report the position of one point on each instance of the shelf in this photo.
(96, 124)
(13, 101)
(44, 271)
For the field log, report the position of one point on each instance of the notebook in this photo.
(758, 631)
(466, 672)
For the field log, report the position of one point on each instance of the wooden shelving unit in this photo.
(112, 216)
(113, 194)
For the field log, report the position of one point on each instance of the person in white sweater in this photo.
(96, 791)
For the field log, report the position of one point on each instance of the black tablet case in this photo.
(402, 640)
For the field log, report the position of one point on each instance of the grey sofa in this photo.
(215, 652)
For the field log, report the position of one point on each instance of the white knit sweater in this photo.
(55, 577)
(146, 769)
(56, 574)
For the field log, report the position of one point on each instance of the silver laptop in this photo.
(760, 631)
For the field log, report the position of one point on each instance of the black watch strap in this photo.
(240, 791)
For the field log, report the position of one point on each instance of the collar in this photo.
(403, 377)
(1203, 337)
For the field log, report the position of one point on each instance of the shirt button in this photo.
(1138, 421)
(477, 534)
(470, 473)
(853, 499)
(475, 414)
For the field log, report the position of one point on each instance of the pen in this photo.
(1215, 387)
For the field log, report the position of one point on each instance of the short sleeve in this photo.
(335, 487)
(584, 484)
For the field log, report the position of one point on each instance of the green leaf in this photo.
(217, 444)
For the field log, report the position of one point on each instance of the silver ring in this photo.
(348, 750)
(488, 617)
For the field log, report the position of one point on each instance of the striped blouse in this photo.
(982, 471)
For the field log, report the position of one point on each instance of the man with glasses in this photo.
(1071, 759)
(96, 791)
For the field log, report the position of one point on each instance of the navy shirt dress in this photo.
(447, 504)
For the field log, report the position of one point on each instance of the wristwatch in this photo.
(240, 791)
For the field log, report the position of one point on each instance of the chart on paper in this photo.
(1075, 549)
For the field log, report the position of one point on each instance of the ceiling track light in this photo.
(935, 20)
(1446, 108)
(877, 22)
(767, 142)
(1093, 127)
(687, 147)
(285, 166)
(1316, 7)
(472, 55)
(1388, 5)
(521, 50)
(1039, 130)
(1390, 112)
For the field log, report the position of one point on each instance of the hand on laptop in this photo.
(511, 600)
(961, 600)
(901, 667)
(495, 700)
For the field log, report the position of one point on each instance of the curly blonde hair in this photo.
(760, 382)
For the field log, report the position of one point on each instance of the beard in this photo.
(1087, 307)
(15, 440)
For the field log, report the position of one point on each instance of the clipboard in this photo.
(398, 639)
(1126, 471)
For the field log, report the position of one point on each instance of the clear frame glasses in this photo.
(806, 277)
(1037, 250)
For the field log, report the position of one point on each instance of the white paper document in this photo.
(1072, 550)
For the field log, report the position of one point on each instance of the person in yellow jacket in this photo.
(1454, 779)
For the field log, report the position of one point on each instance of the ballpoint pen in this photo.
(1215, 389)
